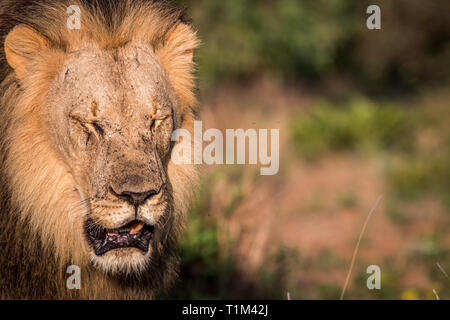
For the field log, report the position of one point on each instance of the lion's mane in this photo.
(35, 189)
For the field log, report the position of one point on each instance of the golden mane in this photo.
(36, 187)
(110, 24)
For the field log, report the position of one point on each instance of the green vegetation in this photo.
(412, 144)
(423, 175)
(375, 102)
(203, 268)
(358, 125)
(311, 40)
(348, 199)
(389, 131)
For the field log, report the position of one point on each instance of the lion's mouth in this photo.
(135, 234)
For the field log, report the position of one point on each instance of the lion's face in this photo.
(92, 145)
(111, 115)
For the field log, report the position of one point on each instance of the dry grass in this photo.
(355, 252)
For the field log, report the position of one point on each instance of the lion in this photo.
(85, 147)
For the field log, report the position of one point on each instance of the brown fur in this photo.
(42, 208)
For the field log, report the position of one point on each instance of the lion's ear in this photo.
(21, 44)
(182, 41)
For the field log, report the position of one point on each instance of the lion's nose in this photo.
(135, 198)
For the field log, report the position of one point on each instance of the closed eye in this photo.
(98, 128)
(88, 138)
(152, 125)
(157, 119)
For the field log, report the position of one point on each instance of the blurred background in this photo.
(361, 113)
